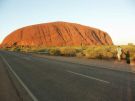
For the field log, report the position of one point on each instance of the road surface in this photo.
(51, 80)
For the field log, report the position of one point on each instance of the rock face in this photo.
(56, 34)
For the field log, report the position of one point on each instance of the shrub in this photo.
(108, 55)
(132, 56)
(68, 51)
(89, 53)
(101, 52)
(16, 49)
(54, 51)
(80, 54)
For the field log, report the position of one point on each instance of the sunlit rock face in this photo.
(57, 34)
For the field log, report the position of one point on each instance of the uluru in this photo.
(56, 34)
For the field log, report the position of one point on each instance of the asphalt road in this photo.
(51, 80)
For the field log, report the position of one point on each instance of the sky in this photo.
(116, 17)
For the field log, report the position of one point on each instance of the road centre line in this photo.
(90, 77)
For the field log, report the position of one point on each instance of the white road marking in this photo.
(26, 58)
(18, 78)
(90, 77)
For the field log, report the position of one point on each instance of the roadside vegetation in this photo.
(90, 52)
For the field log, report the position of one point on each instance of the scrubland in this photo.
(90, 52)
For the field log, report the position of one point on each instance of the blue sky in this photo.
(117, 17)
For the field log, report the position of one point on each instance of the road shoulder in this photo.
(108, 64)
(7, 89)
